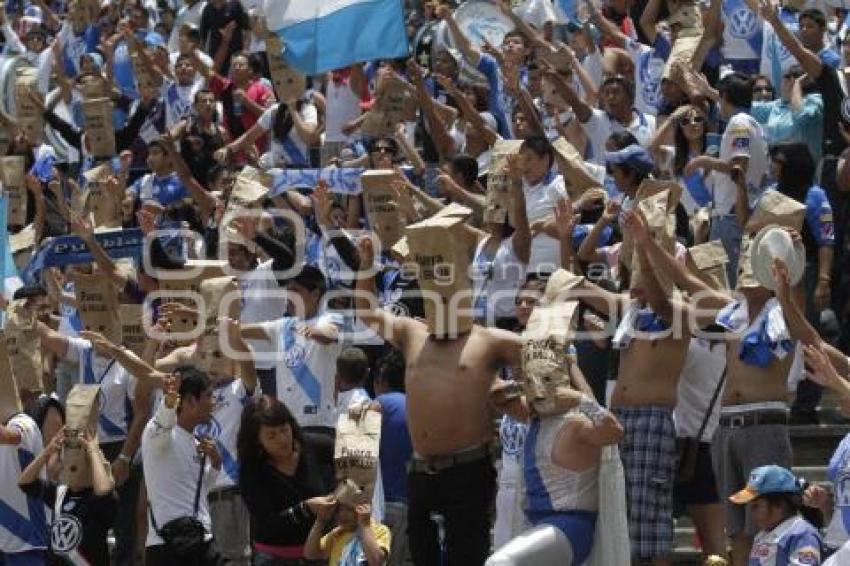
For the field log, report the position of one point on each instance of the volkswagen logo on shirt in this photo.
(65, 534)
(743, 23)
(512, 435)
(294, 356)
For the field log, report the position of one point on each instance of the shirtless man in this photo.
(651, 359)
(452, 480)
(753, 423)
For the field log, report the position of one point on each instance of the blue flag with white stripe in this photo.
(323, 35)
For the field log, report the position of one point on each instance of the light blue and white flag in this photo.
(8, 271)
(323, 35)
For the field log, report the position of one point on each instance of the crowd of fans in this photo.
(608, 168)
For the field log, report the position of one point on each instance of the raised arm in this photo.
(649, 19)
(471, 54)
(85, 230)
(245, 359)
(809, 60)
(205, 200)
(391, 328)
(582, 110)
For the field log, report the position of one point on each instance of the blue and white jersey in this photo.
(775, 57)
(229, 398)
(71, 323)
(743, 31)
(819, 219)
(116, 407)
(164, 190)
(178, 101)
(649, 67)
(764, 340)
(23, 520)
(306, 368)
(291, 151)
(794, 542)
(838, 472)
(76, 45)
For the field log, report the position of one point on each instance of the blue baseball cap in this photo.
(153, 39)
(764, 480)
(634, 156)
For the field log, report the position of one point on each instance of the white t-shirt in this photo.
(540, 202)
(172, 465)
(743, 137)
(341, 106)
(495, 281)
(262, 300)
(292, 150)
(115, 386)
(700, 375)
(649, 67)
(229, 399)
(23, 524)
(600, 126)
(306, 369)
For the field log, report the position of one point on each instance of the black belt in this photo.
(436, 464)
(223, 494)
(753, 418)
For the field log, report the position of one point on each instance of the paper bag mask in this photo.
(289, 84)
(439, 246)
(681, 53)
(381, 208)
(103, 198)
(10, 402)
(100, 134)
(577, 178)
(775, 208)
(29, 116)
(132, 327)
(497, 202)
(12, 172)
(746, 278)
(388, 109)
(210, 353)
(82, 410)
(22, 245)
(647, 189)
(662, 229)
(23, 345)
(186, 281)
(98, 305)
(356, 452)
(544, 355)
(144, 76)
(709, 261)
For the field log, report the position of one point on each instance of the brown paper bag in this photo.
(577, 178)
(23, 345)
(10, 401)
(775, 208)
(558, 59)
(103, 199)
(700, 224)
(289, 84)
(97, 300)
(709, 261)
(188, 280)
(440, 248)
(22, 244)
(356, 451)
(132, 327)
(381, 209)
(82, 410)
(94, 86)
(561, 282)
(100, 134)
(388, 110)
(682, 52)
(497, 203)
(145, 77)
(549, 331)
(12, 174)
(552, 95)
(662, 229)
(264, 178)
(29, 116)
(687, 14)
(648, 189)
(210, 352)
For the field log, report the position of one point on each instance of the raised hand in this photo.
(565, 219)
(822, 370)
(635, 224)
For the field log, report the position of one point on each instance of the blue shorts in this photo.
(577, 526)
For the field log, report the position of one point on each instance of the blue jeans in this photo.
(728, 230)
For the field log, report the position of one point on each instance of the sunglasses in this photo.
(791, 76)
(692, 120)
(763, 89)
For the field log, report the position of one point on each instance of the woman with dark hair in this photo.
(689, 141)
(279, 481)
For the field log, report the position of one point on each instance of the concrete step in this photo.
(813, 445)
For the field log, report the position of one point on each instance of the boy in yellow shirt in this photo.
(357, 540)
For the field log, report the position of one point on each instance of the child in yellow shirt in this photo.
(357, 540)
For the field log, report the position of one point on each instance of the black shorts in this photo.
(702, 489)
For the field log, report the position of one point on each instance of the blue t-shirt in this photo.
(396, 448)
(164, 190)
(77, 46)
(819, 217)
